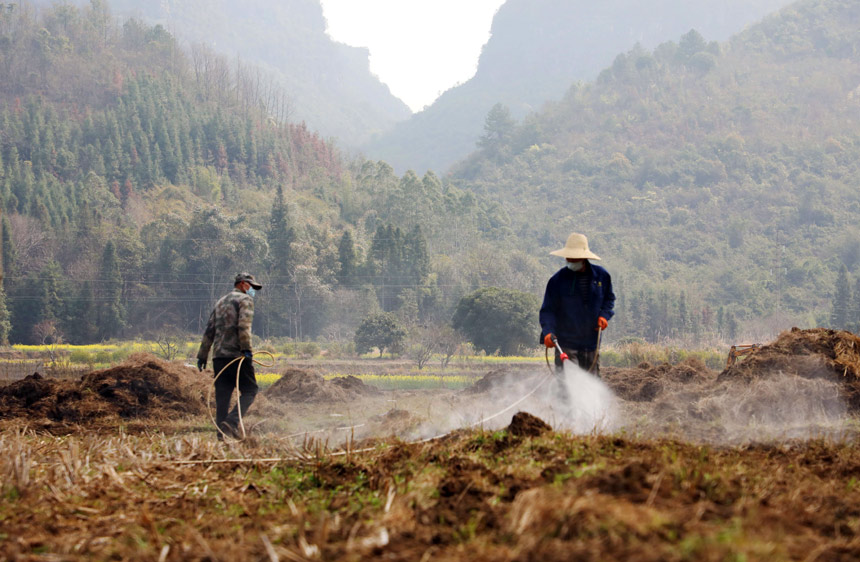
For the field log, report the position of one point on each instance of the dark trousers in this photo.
(226, 383)
(582, 358)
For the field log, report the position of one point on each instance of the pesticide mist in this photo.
(775, 408)
(573, 400)
(583, 402)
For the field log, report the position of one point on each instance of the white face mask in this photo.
(576, 265)
(251, 292)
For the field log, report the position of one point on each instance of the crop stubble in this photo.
(519, 493)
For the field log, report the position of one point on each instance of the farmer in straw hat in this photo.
(578, 302)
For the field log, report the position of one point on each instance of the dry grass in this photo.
(475, 495)
(163, 489)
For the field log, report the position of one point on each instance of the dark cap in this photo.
(245, 276)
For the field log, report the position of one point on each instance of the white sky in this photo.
(419, 48)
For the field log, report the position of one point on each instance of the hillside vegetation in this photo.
(718, 181)
(137, 179)
(327, 85)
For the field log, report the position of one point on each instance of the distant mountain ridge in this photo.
(329, 84)
(537, 50)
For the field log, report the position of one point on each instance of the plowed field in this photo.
(757, 462)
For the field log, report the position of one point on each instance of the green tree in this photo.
(690, 44)
(111, 310)
(841, 300)
(84, 328)
(854, 313)
(280, 235)
(683, 315)
(381, 331)
(347, 260)
(496, 319)
(498, 128)
(281, 265)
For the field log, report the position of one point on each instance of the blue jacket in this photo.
(564, 313)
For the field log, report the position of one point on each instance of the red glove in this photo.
(547, 341)
(602, 323)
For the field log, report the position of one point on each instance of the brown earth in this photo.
(297, 385)
(810, 354)
(354, 386)
(645, 382)
(494, 380)
(550, 497)
(141, 387)
(525, 424)
(524, 494)
(394, 422)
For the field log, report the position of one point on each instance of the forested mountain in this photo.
(135, 184)
(325, 84)
(718, 181)
(538, 48)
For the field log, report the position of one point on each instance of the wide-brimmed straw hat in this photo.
(576, 248)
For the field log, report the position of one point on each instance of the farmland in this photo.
(688, 463)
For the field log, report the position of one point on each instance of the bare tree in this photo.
(447, 343)
(47, 333)
(170, 343)
(33, 245)
(422, 345)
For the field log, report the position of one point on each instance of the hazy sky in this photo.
(419, 48)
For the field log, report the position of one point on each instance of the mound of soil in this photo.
(142, 386)
(296, 385)
(810, 354)
(646, 382)
(524, 424)
(354, 386)
(494, 379)
(395, 422)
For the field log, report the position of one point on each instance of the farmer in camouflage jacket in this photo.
(228, 333)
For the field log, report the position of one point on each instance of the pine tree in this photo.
(280, 235)
(416, 258)
(275, 320)
(8, 247)
(111, 315)
(841, 300)
(83, 314)
(731, 326)
(347, 259)
(854, 312)
(498, 128)
(683, 315)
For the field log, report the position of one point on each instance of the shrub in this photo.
(498, 320)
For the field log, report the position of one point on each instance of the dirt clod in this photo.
(524, 424)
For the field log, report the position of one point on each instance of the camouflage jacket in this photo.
(228, 331)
